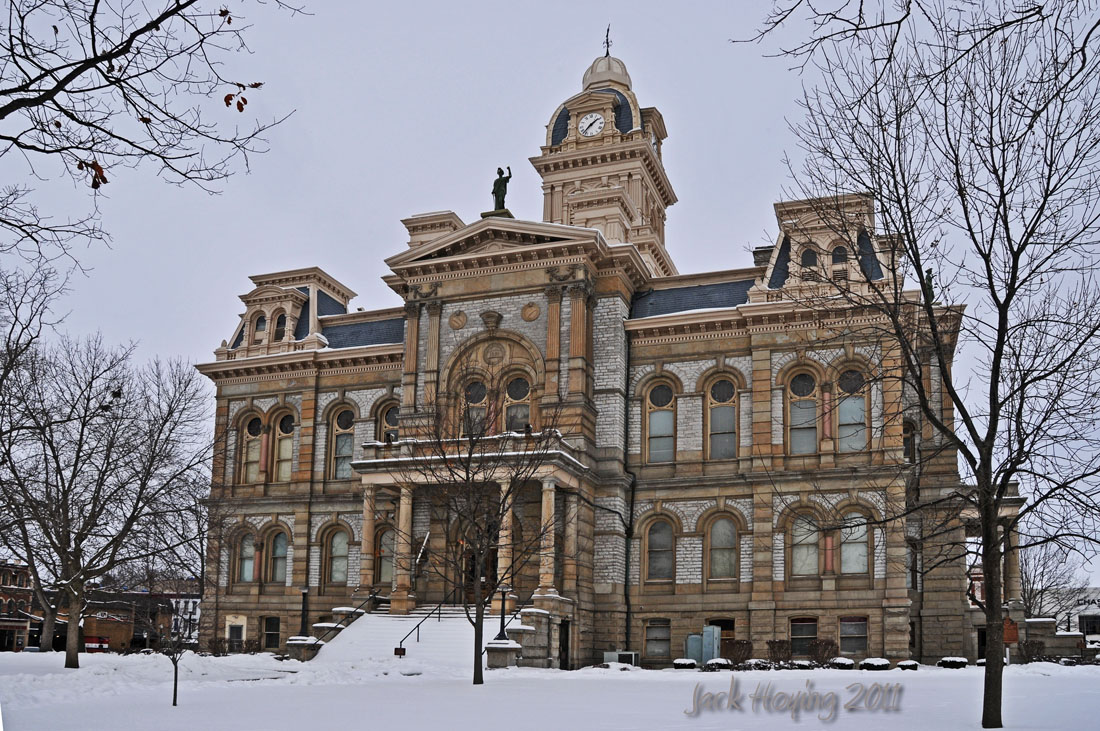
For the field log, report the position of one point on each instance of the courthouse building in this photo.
(727, 458)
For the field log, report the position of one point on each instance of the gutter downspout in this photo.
(629, 522)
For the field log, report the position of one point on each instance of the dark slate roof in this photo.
(782, 268)
(301, 330)
(240, 337)
(377, 332)
(868, 262)
(624, 118)
(681, 299)
(561, 127)
(328, 305)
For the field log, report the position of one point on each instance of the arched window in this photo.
(517, 406)
(11, 607)
(722, 420)
(851, 412)
(280, 329)
(258, 330)
(660, 564)
(388, 424)
(284, 448)
(809, 258)
(803, 412)
(475, 412)
(343, 442)
(21, 607)
(246, 559)
(277, 563)
(250, 450)
(840, 256)
(661, 424)
(384, 566)
(722, 549)
(338, 557)
(804, 540)
(853, 544)
(909, 441)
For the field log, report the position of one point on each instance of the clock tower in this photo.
(601, 165)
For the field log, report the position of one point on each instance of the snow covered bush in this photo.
(908, 665)
(740, 651)
(875, 663)
(1031, 650)
(804, 664)
(683, 663)
(842, 663)
(823, 650)
(779, 650)
(718, 663)
(954, 663)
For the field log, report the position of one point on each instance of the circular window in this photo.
(802, 384)
(475, 392)
(286, 424)
(345, 419)
(850, 381)
(391, 416)
(660, 396)
(518, 388)
(255, 426)
(722, 391)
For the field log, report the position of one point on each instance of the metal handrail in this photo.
(438, 608)
(519, 608)
(351, 616)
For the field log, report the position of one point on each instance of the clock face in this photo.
(591, 124)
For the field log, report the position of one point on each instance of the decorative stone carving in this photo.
(491, 318)
(457, 320)
(530, 312)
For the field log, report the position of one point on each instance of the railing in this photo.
(350, 617)
(437, 610)
(520, 606)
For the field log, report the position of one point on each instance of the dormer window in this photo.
(809, 265)
(258, 330)
(280, 329)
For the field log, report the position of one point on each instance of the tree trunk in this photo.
(994, 621)
(175, 680)
(45, 640)
(479, 623)
(72, 636)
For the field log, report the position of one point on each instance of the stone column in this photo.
(553, 340)
(403, 599)
(569, 557)
(412, 338)
(366, 548)
(578, 339)
(431, 376)
(1012, 588)
(504, 550)
(546, 562)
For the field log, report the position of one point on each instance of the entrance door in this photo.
(563, 644)
(727, 636)
(236, 637)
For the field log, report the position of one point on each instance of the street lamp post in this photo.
(502, 635)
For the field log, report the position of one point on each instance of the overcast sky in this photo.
(408, 107)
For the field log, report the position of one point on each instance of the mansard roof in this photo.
(719, 295)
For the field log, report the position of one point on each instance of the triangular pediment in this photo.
(492, 236)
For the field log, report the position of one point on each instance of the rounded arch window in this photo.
(909, 441)
(803, 414)
(258, 330)
(475, 409)
(284, 448)
(853, 544)
(343, 441)
(661, 424)
(338, 557)
(517, 406)
(280, 329)
(804, 548)
(722, 420)
(723, 549)
(246, 558)
(660, 563)
(277, 572)
(851, 412)
(250, 450)
(840, 255)
(389, 424)
(809, 258)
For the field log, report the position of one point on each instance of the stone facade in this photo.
(681, 481)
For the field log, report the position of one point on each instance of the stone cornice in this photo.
(550, 162)
(304, 364)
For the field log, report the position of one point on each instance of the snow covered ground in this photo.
(356, 682)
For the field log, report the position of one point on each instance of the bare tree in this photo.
(479, 460)
(982, 157)
(1052, 580)
(92, 87)
(101, 452)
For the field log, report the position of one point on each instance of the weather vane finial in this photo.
(607, 42)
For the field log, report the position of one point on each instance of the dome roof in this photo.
(604, 71)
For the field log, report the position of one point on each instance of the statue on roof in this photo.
(500, 188)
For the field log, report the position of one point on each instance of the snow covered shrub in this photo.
(953, 663)
(875, 663)
(740, 651)
(755, 664)
(842, 663)
(804, 664)
(779, 650)
(1068, 661)
(715, 664)
(683, 663)
(1031, 650)
(822, 651)
(908, 665)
